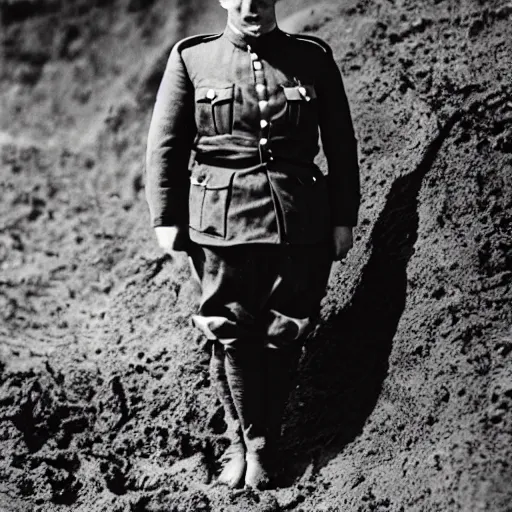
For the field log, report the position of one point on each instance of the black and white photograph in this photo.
(255, 256)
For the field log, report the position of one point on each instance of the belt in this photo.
(254, 160)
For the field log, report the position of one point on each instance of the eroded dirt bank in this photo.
(404, 401)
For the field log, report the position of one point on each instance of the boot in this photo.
(281, 368)
(245, 370)
(233, 470)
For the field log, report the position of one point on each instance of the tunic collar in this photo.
(242, 40)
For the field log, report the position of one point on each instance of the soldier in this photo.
(230, 179)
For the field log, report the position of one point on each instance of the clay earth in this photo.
(404, 397)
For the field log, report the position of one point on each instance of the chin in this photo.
(253, 30)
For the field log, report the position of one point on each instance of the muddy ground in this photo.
(404, 398)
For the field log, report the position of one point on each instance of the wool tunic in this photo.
(233, 138)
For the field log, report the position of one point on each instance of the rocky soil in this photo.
(404, 398)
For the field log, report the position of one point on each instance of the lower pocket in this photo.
(304, 203)
(209, 198)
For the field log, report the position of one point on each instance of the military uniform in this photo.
(231, 151)
(257, 151)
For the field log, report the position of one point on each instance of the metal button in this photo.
(254, 56)
(211, 94)
(263, 141)
(304, 93)
(263, 123)
(260, 88)
(257, 65)
(263, 105)
(197, 181)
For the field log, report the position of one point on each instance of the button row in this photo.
(262, 93)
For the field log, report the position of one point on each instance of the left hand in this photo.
(342, 240)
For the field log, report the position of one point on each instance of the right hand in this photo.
(172, 238)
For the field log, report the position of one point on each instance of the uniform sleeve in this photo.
(339, 145)
(170, 139)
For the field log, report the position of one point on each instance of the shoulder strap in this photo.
(195, 40)
(313, 40)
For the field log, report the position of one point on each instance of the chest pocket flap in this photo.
(300, 93)
(214, 95)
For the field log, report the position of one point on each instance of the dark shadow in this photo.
(345, 365)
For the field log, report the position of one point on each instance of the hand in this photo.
(342, 240)
(172, 238)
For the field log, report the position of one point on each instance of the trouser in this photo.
(257, 305)
(260, 292)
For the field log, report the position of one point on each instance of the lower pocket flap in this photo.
(212, 178)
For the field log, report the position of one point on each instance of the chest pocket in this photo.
(214, 110)
(301, 107)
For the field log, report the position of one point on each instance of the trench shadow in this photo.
(345, 364)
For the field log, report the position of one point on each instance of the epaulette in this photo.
(183, 44)
(313, 40)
